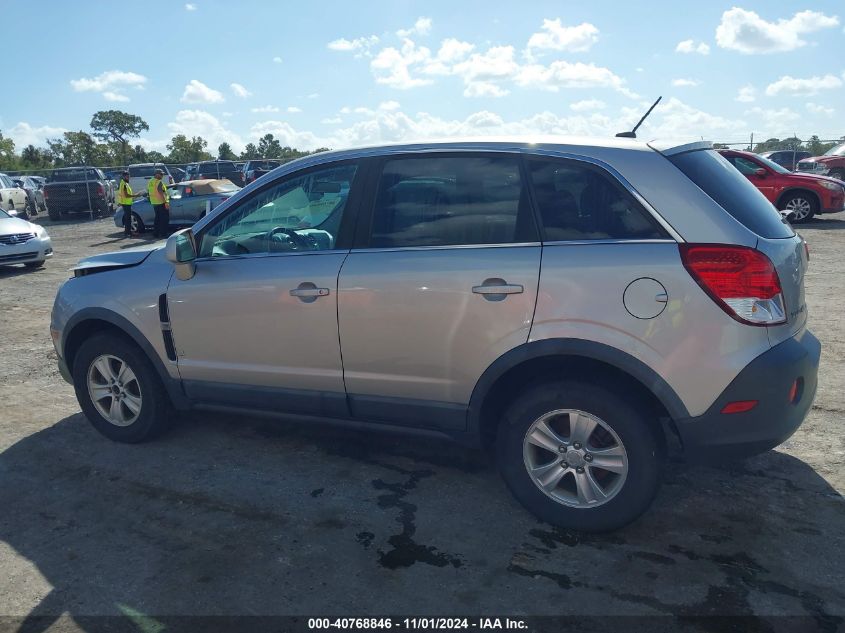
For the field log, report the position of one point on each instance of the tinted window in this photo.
(217, 168)
(577, 202)
(141, 172)
(449, 201)
(745, 166)
(262, 164)
(300, 213)
(733, 192)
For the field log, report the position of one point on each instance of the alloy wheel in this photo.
(798, 208)
(114, 390)
(575, 458)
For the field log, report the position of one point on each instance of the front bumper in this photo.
(35, 250)
(767, 379)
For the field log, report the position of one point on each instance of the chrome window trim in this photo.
(391, 249)
(222, 258)
(608, 241)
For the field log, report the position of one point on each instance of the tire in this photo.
(136, 224)
(616, 425)
(54, 214)
(805, 205)
(101, 210)
(839, 174)
(99, 359)
(37, 264)
(42, 207)
(30, 207)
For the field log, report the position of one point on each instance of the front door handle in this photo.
(308, 290)
(496, 289)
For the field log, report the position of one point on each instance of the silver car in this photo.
(579, 309)
(23, 242)
(189, 201)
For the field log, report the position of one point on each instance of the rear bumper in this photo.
(767, 379)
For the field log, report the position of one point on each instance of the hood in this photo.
(9, 226)
(798, 176)
(114, 260)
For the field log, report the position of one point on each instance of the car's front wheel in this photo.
(579, 457)
(119, 390)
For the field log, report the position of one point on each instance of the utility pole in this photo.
(751, 147)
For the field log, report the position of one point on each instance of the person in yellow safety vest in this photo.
(160, 200)
(124, 199)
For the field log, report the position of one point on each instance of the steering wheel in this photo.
(299, 242)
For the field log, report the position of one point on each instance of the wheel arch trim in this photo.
(172, 386)
(561, 347)
(798, 189)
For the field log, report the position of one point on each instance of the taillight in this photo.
(101, 191)
(742, 280)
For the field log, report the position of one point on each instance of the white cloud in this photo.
(360, 45)
(746, 94)
(240, 91)
(819, 109)
(676, 119)
(587, 105)
(553, 36)
(389, 106)
(190, 7)
(267, 108)
(689, 46)
(108, 95)
(392, 67)
(787, 85)
(481, 71)
(277, 60)
(201, 123)
(294, 110)
(451, 52)
(562, 74)
(777, 122)
(746, 32)
(110, 84)
(314, 95)
(24, 134)
(332, 121)
(421, 27)
(198, 92)
(640, 69)
(685, 83)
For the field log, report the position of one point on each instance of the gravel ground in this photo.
(239, 516)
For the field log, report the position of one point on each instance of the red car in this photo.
(802, 195)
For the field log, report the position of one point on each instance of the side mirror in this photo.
(760, 172)
(181, 251)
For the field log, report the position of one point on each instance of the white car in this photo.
(12, 197)
(140, 175)
(23, 242)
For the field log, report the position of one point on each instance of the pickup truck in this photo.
(74, 189)
(831, 163)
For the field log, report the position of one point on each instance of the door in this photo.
(765, 182)
(257, 325)
(443, 281)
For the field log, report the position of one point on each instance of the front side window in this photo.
(299, 214)
(745, 166)
(577, 202)
(447, 201)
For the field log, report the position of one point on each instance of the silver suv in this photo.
(577, 308)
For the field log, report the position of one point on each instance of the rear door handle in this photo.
(507, 289)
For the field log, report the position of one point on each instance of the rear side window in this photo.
(577, 202)
(449, 201)
(733, 192)
(141, 172)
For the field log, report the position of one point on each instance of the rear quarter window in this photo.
(733, 192)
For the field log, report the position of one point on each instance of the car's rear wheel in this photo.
(136, 224)
(118, 389)
(578, 456)
(800, 206)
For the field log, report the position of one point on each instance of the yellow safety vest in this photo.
(156, 196)
(124, 193)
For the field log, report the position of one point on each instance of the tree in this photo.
(77, 148)
(269, 147)
(7, 152)
(224, 152)
(185, 150)
(250, 152)
(117, 126)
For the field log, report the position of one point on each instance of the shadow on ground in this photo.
(225, 516)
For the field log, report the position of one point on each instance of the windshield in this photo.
(4, 215)
(839, 150)
(773, 165)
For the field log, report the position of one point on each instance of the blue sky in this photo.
(341, 73)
